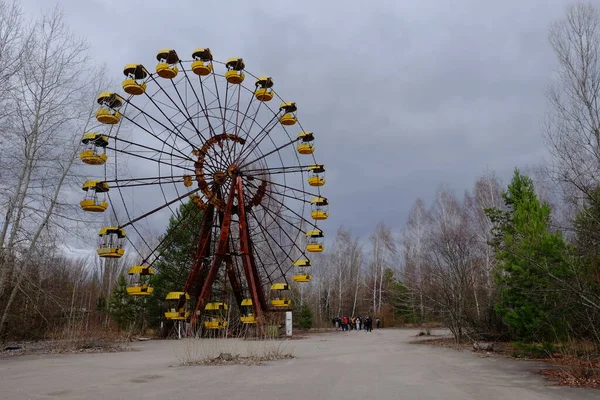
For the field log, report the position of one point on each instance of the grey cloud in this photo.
(402, 95)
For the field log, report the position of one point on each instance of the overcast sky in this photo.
(402, 95)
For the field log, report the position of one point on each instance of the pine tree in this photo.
(176, 258)
(305, 317)
(529, 254)
(121, 307)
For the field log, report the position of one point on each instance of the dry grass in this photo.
(446, 342)
(573, 364)
(66, 347)
(71, 339)
(578, 375)
(220, 351)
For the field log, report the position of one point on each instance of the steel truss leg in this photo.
(217, 259)
(196, 271)
(258, 302)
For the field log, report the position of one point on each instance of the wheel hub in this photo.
(210, 187)
(220, 177)
(233, 171)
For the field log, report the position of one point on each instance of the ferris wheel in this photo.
(211, 133)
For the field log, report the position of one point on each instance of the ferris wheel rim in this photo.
(275, 189)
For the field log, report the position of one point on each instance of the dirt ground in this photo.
(336, 365)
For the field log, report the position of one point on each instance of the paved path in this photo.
(337, 365)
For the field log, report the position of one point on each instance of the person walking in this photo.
(358, 323)
(378, 321)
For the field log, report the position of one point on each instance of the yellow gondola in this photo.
(202, 64)
(166, 68)
(280, 286)
(248, 319)
(111, 242)
(289, 116)
(215, 323)
(247, 312)
(91, 202)
(314, 241)
(235, 71)
(95, 148)
(246, 303)
(215, 306)
(134, 73)
(197, 200)
(215, 320)
(306, 145)
(173, 300)
(109, 104)
(319, 208)
(302, 277)
(281, 302)
(278, 299)
(264, 91)
(316, 176)
(302, 262)
(138, 281)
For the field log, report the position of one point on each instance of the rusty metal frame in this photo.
(256, 293)
(233, 280)
(201, 252)
(218, 256)
(222, 254)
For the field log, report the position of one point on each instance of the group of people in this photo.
(355, 323)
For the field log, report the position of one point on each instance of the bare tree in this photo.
(414, 235)
(383, 250)
(53, 103)
(341, 258)
(450, 243)
(355, 262)
(572, 127)
(572, 134)
(11, 50)
(12, 45)
(487, 193)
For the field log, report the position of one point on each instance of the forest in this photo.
(517, 260)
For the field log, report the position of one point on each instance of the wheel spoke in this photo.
(207, 136)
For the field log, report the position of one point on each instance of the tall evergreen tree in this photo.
(305, 317)
(177, 256)
(121, 307)
(529, 255)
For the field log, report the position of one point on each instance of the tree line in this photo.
(49, 83)
(517, 262)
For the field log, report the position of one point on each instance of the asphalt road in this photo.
(337, 365)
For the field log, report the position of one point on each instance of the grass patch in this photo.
(221, 351)
(533, 350)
